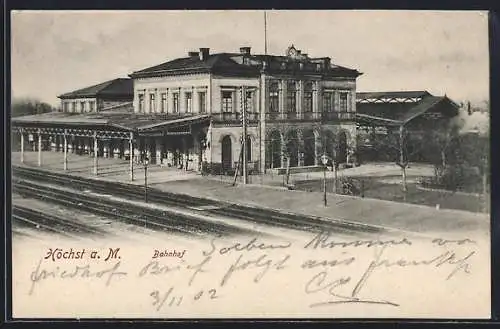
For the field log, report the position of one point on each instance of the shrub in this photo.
(348, 186)
(211, 168)
(454, 178)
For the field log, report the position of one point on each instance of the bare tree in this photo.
(400, 145)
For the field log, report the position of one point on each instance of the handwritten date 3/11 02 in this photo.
(174, 299)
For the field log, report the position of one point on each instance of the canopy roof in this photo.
(395, 108)
(132, 122)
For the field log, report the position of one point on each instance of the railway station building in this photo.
(189, 111)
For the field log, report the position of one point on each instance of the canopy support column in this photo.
(131, 158)
(65, 150)
(22, 145)
(39, 147)
(96, 151)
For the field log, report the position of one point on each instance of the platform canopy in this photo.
(110, 125)
(399, 108)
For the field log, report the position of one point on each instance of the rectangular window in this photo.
(249, 101)
(141, 103)
(152, 107)
(328, 101)
(202, 99)
(274, 101)
(175, 104)
(164, 102)
(65, 107)
(344, 102)
(91, 106)
(73, 107)
(189, 102)
(227, 101)
(291, 100)
(308, 96)
(82, 107)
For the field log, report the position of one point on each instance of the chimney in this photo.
(245, 50)
(204, 52)
(193, 54)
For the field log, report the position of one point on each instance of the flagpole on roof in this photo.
(265, 32)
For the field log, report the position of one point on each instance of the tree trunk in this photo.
(287, 170)
(403, 181)
(403, 175)
(443, 158)
(334, 178)
(402, 161)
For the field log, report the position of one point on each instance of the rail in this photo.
(259, 215)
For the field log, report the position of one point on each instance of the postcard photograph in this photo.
(250, 164)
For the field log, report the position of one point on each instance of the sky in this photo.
(54, 52)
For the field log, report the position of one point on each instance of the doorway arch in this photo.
(292, 147)
(342, 147)
(309, 147)
(226, 154)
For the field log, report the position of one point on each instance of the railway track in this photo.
(246, 213)
(130, 214)
(49, 223)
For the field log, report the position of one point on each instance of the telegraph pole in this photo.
(244, 124)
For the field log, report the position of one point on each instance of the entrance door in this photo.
(342, 148)
(226, 153)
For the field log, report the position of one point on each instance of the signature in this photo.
(77, 272)
(319, 282)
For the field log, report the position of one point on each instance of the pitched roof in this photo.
(402, 111)
(392, 94)
(121, 87)
(232, 63)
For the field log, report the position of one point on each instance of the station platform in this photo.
(394, 215)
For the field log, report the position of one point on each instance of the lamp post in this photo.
(146, 162)
(324, 161)
(334, 167)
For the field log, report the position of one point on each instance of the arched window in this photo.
(226, 154)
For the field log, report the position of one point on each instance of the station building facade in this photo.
(297, 107)
(189, 110)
